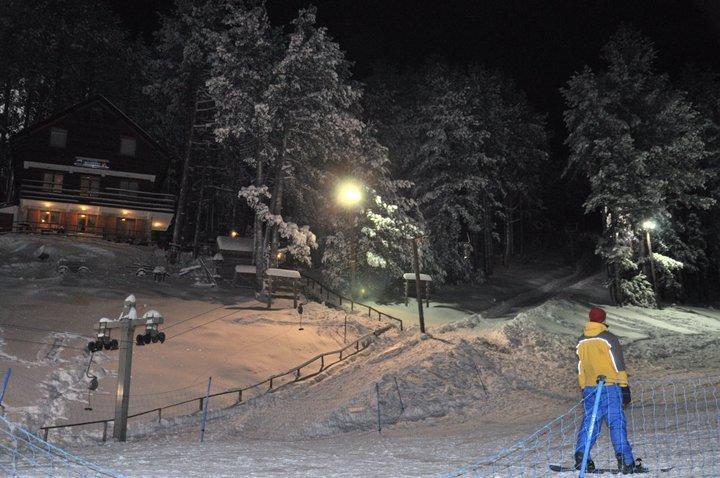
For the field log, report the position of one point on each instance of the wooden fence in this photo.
(324, 360)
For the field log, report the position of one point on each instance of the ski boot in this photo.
(629, 468)
(578, 463)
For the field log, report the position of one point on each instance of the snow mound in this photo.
(521, 370)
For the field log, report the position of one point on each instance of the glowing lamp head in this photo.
(233, 234)
(649, 225)
(349, 194)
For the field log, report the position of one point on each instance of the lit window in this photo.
(58, 137)
(127, 146)
(50, 217)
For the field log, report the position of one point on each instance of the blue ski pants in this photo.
(611, 411)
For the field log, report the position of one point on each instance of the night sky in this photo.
(539, 43)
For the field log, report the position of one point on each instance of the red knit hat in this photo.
(597, 315)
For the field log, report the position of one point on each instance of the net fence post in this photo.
(377, 399)
(593, 417)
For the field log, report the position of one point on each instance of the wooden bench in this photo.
(282, 280)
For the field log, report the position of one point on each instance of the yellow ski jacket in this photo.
(600, 353)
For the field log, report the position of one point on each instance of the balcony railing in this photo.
(110, 197)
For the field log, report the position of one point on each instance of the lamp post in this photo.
(647, 226)
(418, 285)
(349, 195)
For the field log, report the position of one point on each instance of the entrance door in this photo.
(125, 227)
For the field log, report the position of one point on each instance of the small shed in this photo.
(231, 252)
(410, 289)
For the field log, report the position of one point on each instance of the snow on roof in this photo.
(235, 244)
(411, 276)
(291, 274)
(245, 269)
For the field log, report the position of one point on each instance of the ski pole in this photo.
(593, 417)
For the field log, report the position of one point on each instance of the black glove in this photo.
(626, 399)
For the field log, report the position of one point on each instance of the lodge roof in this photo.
(90, 100)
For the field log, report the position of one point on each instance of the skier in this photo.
(600, 355)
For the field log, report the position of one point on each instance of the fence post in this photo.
(593, 417)
(205, 411)
(397, 387)
(201, 403)
(240, 396)
(104, 437)
(6, 379)
(159, 415)
(322, 363)
(377, 399)
(45, 433)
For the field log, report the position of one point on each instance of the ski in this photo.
(600, 471)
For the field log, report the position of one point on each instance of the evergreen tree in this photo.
(470, 146)
(176, 79)
(640, 142)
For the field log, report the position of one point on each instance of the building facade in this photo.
(89, 170)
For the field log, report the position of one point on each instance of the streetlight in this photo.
(647, 226)
(418, 285)
(349, 195)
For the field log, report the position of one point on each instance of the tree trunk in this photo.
(508, 236)
(487, 238)
(276, 207)
(522, 235)
(258, 227)
(198, 220)
(4, 140)
(184, 179)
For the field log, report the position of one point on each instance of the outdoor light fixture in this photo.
(349, 194)
(83, 208)
(649, 225)
(233, 233)
(157, 224)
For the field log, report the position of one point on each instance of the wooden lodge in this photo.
(88, 170)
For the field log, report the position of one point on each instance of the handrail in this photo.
(135, 199)
(359, 344)
(62, 189)
(352, 302)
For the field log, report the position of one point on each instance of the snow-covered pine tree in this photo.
(381, 228)
(244, 54)
(703, 88)
(309, 116)
(639, 140)
(465, 140)
(176, 79)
